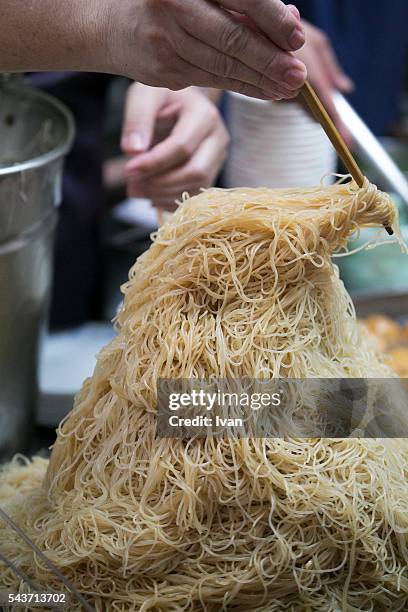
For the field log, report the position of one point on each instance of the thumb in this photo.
(335, 72)
(142, 106)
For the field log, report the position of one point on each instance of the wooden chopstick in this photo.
(160, 216)
(322, 116)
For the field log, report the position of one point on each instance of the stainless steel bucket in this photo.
(36, 132)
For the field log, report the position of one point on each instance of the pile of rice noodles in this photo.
(237, 283)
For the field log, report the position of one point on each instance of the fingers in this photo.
(329, 77)
(199, 172)
(194, 123)
(325, 92)
(277, 21)
(294, 10)
(141, 109)
(335, 73)
(205, 78)
(325, 73)
(228, 40)
(202, 56)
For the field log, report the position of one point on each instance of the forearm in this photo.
(161, 43)
(54, 35)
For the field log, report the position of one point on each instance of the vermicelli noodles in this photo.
(237, 283)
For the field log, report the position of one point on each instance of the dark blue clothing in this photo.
(77, 262)
(370, 38)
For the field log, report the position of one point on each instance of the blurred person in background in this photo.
(190, 144)
(370, 40)
(77, 255)
(177, 141)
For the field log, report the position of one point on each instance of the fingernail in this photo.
(134, 142)
(297, 38)
(346, 83)
(293, 9)
(296, 75)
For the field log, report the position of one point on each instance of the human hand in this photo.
(177, 43)
(324, 72)
(190, 155)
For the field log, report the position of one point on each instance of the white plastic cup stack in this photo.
(275, 144)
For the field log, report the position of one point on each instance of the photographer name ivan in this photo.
(204, 421)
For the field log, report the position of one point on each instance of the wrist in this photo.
(97, 22)
(115, 36)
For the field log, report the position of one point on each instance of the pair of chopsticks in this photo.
(321, 115)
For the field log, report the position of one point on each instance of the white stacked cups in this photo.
(275, 144)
